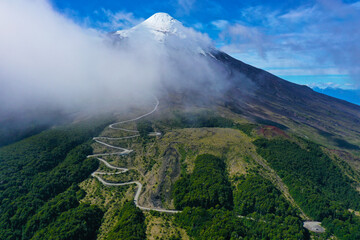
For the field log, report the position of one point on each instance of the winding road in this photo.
(124, 151)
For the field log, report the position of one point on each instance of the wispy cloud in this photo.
(191, 8)
(325, 85)
(242, 38)
(220, 24)
(118, 20)
(186, 5)
(300, 14)
(323, 34)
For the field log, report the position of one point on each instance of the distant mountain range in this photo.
(350, 95)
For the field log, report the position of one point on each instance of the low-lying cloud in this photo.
(48, 61)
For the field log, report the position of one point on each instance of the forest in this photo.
(144, 127)
(316, 183)
(255, 194)
(130, 223)
(208, 185)
(33, 173)
(40, 197)
(247, 212)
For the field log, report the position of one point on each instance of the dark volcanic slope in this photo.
(274, 98)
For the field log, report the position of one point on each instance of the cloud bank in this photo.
(48, 61)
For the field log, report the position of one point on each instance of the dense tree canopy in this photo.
(315, 182)
(255, 194)
(144, 127)
(254, 217)
(80, 223)
(259, 210)
(37, 169)
(129, 225)
(207, 186)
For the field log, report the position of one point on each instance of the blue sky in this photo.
(316, 43)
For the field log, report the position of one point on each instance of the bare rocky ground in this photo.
(314, 226)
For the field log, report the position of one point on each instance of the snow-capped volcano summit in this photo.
(159, 24)
(166, 29)
(162, 22)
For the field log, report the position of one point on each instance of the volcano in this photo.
(216, 149)
(254, 93)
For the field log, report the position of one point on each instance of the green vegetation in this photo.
(39, 196)
(195, 120)
(257, 198)
(80, 223)
(316, 183)
(202, 119)
(344, 225)
(255, 216)
(341, 143)
(144, 127)
(52, 209)
(17, 126)
(208, 185)
(129, 225)
(313, 178)
(275, 227)
(37, 169)
(223, 224)
(246, 128)
(13, 135)
(255, 194)
(205, 224)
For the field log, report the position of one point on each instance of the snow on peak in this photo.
(159, 24)
(165, 29)
(162, 22)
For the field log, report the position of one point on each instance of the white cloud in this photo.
(323, 34)
(48, 61)
(327, 85)
(199, 26)
(220, 24)
(243, 38)
(186, 5)
(119, 20)
(301, 14)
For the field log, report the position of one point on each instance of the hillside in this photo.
(247, 156)
(166, 164)
(327, 119)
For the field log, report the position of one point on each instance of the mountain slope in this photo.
(260, 155)
(257, 94)
(294, 106)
